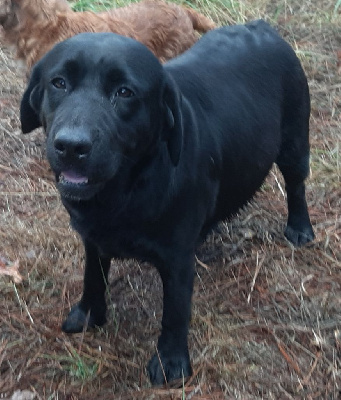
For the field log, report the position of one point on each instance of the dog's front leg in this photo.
(91, 310)
(172, 359)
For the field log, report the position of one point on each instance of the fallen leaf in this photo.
(11, 270)
(23, 395)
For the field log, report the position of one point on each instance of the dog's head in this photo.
(17, 12)
(8, 14)
(105, 103)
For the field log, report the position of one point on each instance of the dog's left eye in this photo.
(59, 83)
(124, 92)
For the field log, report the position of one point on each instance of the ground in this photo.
(266, 316)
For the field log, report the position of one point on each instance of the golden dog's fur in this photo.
(34, 26)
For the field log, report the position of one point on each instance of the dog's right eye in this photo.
(124, 92)
(59, 83)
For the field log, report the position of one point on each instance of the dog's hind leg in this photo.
(293, 162)
(91, 310)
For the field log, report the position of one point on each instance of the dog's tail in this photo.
(200, 22)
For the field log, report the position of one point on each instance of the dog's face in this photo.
(105, 103)
(8, 17)
(13, 12)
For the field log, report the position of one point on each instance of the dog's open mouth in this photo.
(72, 178)
(75, 186)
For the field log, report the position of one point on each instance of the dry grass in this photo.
(266, 317)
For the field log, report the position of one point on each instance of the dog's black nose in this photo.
(72, 143)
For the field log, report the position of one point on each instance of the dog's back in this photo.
(242, 74)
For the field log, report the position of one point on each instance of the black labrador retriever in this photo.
(149, 157)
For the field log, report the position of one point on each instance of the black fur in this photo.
(146, 173)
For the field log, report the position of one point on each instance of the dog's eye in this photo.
(124, 92)
(59, 83)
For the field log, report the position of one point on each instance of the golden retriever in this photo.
(35, 26)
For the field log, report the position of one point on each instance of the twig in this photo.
(44, 194)
(285, 392)
(158, 356)
(292, 363)
(202, 264)
(258, 267)
(278, 184)
(306, 379)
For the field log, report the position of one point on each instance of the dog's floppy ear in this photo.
(31, 103)
(173, 131)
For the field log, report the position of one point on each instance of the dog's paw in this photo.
(79, 319)
(299, 237)
(173, 367)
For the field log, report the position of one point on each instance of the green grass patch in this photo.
(82, 368)
(96, 6)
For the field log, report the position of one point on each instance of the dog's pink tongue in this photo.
(73, 177)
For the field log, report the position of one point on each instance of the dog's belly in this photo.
(240, 189)
(125, 244)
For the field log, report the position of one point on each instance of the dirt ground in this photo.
(266, 316)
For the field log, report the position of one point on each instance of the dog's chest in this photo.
(118, 233)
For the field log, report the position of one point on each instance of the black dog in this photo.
(148, 157)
